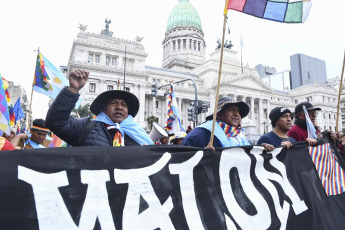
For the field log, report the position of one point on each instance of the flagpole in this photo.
(32, 91)
(340, 86)
(241, 56)
(219, 76)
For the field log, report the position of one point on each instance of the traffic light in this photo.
(154, 89)
(191, 114)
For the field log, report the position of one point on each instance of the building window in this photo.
(190, 44)
(179, 44)
(334, 116)
(90, 58)
(109, 87)
(194, 45)
(329, 115)
(330, 127)
(92, 87)
(324, 115)
(107, 60)
(156, 104)
(114, 61)
(296, 101)
(127, 89)
(97, 58)
(323, 98)
(184, 44)
(174, 45)
(198, 46)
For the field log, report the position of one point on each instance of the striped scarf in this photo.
(230, 131)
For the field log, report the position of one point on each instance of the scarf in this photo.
(34, 144)
(229, 136)
(127, 127)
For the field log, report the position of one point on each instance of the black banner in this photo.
(172, 187)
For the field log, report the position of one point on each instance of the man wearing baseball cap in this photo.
(113, 126)
(228, 131)
(281, 120)
(299, 129)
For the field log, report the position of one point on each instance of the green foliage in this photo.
(84, 111)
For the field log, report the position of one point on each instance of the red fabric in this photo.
(298, 133)
(5, 144)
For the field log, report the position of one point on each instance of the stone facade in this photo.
(246, 86)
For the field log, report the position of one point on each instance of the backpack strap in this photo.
(88, 126)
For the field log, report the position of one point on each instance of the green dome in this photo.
(184, 14)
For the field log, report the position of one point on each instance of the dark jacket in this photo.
(70, 129)
(272, 139)
(200, 137)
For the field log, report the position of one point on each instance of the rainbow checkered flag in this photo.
(4, 115)
(287, 11)
(310, 126)
(173, 123)
(48, 80)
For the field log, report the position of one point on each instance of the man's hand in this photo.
(287, 144)
(210, 147)
(311, 141)
(268, 147)
(77, 80)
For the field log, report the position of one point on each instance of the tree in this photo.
(84, 111)
(150, 120)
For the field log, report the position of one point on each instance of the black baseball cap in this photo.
(308, 106)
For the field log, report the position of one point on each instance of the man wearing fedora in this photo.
(228, 131)
(281, 119)
(113, 126)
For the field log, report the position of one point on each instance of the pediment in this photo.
(248, 82)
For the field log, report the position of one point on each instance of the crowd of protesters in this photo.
(114, 124)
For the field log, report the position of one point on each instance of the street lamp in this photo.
(264, 122)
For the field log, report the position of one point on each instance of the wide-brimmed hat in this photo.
(244, 108)
(178, 135)
(131, 100)
(308, 106)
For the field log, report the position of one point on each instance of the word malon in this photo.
(53, 214)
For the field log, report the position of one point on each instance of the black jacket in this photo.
(70, 129)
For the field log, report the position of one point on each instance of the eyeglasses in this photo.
(312, 113)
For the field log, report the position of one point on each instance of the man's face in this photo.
(164, 140)
(312, 115)
(284, 122)
(37, 136)
(116, 110)
(230, 115)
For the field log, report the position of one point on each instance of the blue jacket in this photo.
(273, 139)
(70, 129)
(200, 137)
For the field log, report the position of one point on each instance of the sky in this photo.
(52, 25)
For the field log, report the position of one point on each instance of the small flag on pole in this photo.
(310, 126)
(18, 112)
(294, 11)
(48, 80)
(173, 123)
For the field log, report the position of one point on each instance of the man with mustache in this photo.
(113, 126)
(228, 131)
(281, 119)
(299, 129)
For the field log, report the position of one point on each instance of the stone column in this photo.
(142, 102)
(153, 107)
(269, 126)
(261, 117)
(252, 114)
